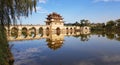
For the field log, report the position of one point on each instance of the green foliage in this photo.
(110, 26)
(112, 35)
(111, 30)
(5, 54)
(11, 10)
(84, 22)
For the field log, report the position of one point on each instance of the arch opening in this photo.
(47, 31)
(71, 30)
(74, 30)
(14, 32)
(24, 32)
(32, 32)
(41, 31)
(67, 31)
(58, 31)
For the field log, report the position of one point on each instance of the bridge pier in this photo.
(19, 32)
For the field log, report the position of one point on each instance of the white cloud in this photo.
(106, 0)
(41, 10)
(42, 1)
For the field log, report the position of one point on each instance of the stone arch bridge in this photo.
(44, 30)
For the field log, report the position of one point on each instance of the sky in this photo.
(96, 11)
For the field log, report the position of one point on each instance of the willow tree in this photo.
(10, 12)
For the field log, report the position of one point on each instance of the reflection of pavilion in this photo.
(55, 41)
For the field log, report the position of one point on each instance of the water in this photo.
(91, 49)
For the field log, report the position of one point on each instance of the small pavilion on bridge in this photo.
(54, 18)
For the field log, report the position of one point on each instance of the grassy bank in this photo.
(6, 57)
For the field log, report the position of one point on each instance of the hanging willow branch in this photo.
(11, 10)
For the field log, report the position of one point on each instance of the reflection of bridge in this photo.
(46, 35)
(54, 25)
(54, 41)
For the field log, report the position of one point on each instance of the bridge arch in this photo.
(67, 30)
(71, 30)
(58, 31)
(14, 32)
(24, 32)
(47, 31)
(32, 32)
(74, 30)
(41, 31)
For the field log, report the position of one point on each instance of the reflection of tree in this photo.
(76, 36)
(118, 37)
(84, 37)
(110, 36)
(54, 45)
(103, 34)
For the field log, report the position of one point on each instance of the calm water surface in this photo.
(72, 50)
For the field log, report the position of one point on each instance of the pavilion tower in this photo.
(55, 21)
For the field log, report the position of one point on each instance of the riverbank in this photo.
(6, 57)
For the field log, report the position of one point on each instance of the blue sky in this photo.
(75, 10)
